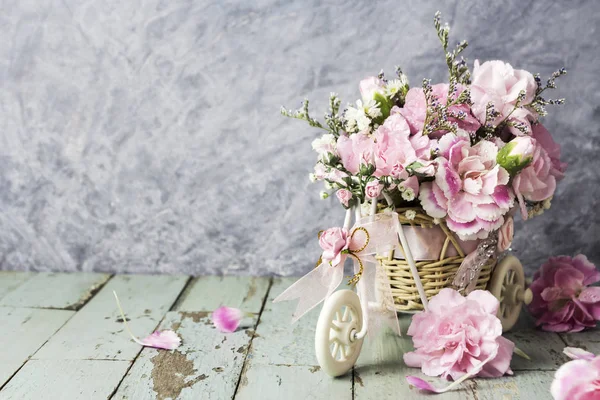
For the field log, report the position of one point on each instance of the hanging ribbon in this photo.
(468, 273)
(369, 236)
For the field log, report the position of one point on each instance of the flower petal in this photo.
(576, 353)
(167, 340)
(227, 319)
(421, 384)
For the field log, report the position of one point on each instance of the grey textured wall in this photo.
(145, 136)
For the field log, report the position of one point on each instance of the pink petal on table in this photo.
(421, 384)
(227, 319)
(167, 340)
(576, 353)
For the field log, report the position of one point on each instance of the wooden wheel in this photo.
(508, 285)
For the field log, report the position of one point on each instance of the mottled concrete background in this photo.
(145, 136)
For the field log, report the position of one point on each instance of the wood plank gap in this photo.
(31, 355)
(175, 302)
(183, 292)
(245, 365)
(93, 292)
(353, 381)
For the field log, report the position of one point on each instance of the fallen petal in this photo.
(576, 353)
(421, 384)
(227, 319)
(167, 340)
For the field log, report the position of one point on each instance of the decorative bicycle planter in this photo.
(342, 323)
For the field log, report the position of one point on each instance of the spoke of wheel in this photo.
(345, 351)
(512, 276)
(335, 325)
(334, 351)
(337, 316)
(346, 314)
(502, 309)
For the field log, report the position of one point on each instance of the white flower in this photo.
(408, 194)
(393, 88)
(410, 214)
(325, 144)
(328, 185)
(312, 177)
(360, 117)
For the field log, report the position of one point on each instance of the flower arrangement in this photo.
(465, 151)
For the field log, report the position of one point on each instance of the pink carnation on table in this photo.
(334, 241)
(498, 83)
(415, 108)
(470, 189)
(460, 335)
(578, 379)
(562, 300)
(537, 182)
(344, 196)
(355, 150)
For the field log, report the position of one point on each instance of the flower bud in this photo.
(324, 195)
(517, 154)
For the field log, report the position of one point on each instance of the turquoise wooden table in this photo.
(62, 338)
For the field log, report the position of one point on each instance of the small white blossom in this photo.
(328, 185)
(371, 108)
(394, 87)
(410, 214)
(360, 117)
(408, 194)
(312, 177)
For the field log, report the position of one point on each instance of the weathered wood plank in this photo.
(588, 340)
(544, 348)
(206, 293)
(278, 341)
(524, 385)
(208, 363)
(10, 280)
(65, 379)
(67, 291)
(292, 383)
(97, 332)
(24, 330)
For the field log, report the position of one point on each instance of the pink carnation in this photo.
(457, 334)
(470, 189)
(415, 108)
(577, 379)
(537, 182)
(562, 300)
(355, 150)
(498, 83)
(344, 196)
(393, 149)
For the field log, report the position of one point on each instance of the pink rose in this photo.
(355, 150)
(470, 189)
(370, 86)
(577, 379)
(562, 300)
(344, 196)
(498, 83)
(373, 189)
(537, 182)
(505, 234)
(457, 334)
(334, 241)
(415, 108)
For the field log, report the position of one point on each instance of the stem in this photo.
(125, 321)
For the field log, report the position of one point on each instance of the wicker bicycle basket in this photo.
(435, 274)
